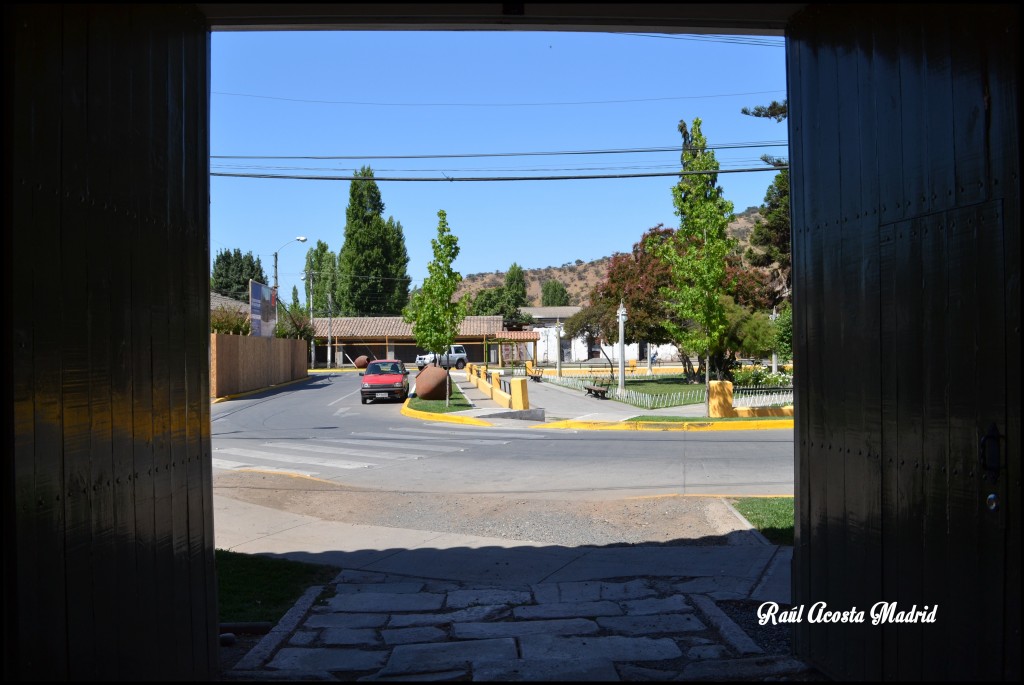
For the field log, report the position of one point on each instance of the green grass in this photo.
(701, 419)
(457, 402)
(772, 516)
(255, 588)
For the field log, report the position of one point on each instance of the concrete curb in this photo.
(727, 628)
(279, 633)
(446, 418)
(777, 424)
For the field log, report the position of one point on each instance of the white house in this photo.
(547, 320)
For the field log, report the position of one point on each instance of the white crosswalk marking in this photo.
(237, 465)
(329, 457)
(344, 451)
(419, 445)
(288, 459)
(527, 434)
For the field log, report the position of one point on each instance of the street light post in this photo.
(558, 349)
(299, 239)
(312, 338)
(622, 346)
(775, 356)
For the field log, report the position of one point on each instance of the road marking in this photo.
(475, 429)
(343, 397)
(376, 443)
(343, 451)
(288, 459)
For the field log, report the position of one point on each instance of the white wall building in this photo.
(546, 324)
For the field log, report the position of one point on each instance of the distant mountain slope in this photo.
(580, 277)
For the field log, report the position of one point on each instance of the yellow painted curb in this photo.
(775, 424)
(448, 418)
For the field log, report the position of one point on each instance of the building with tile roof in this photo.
(342, 340)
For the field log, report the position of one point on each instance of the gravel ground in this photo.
(668, 520)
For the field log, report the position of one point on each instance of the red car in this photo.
(385, 379)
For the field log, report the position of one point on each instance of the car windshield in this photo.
(378, 368)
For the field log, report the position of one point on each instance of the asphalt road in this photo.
(319, 429)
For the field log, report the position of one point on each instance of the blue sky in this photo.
(405, 93)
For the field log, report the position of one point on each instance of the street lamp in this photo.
(775, 357)
(558, 347)
(299, 239)
(622, 345)
(307, 276)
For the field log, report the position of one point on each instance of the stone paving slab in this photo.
(564, 626)
(613, 647)
(416, 629)
(416, 658)
(548, 670)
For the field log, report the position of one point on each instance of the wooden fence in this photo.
(240, 363)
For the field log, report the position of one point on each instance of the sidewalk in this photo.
(419, 605)
(423, 605)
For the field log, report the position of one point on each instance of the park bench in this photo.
(534, 373)
(596, 391)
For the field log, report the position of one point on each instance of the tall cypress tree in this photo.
(515, 285)
(322, 272)
(696, 253)
(372, 277)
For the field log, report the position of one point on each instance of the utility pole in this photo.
(296, 239)
(330, 328)
(312, 337)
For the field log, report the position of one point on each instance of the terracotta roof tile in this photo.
(395, 327)
(518, 335)
(217, 301)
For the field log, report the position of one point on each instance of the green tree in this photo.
(488, 302)
(783, 340)
(293, 320)
(747, 332)
(696, 253)
(229, 320)
(505, 300)
(775, 110)
(372, 277)
(515, 285)
(433, 312)
(636, 280)
(322, 271)
(554, 294)
(771, 242)
(232, 271)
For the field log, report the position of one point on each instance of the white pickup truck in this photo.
(455, 356)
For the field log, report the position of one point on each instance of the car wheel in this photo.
(364, 400)
(460, 364)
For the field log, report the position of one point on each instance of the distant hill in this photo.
(580, 277)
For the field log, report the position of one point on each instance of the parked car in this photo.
(384, 379)
(455, 356)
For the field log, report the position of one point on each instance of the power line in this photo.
(712, 38)
(452, 179)
(612, 151)
(357, 103)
